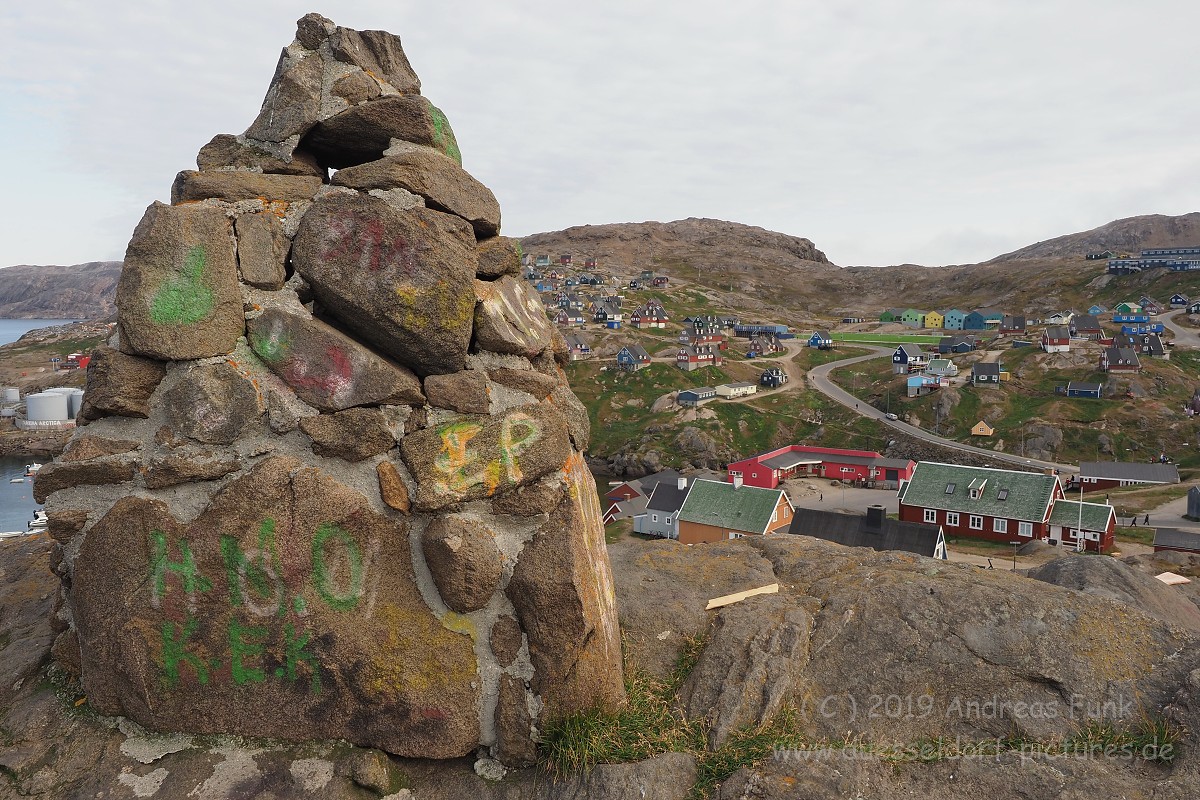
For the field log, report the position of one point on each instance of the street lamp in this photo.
(844, 471)
(1015, 545)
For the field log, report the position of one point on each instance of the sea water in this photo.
(16, 499)
(13, 329)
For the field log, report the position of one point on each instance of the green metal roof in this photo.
(1095, 515)
(746, 508)
(947, 487)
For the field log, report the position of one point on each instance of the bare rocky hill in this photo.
(1125, 235)
(699, 243)
(79, 291)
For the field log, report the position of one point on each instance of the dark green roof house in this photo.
(715, 510)
(1000, 505)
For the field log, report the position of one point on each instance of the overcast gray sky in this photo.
(887, 132)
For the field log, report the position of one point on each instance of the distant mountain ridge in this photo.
(1123, 235)
(693, 242)
(78, 291)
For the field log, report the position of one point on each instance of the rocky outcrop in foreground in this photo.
(852, 640)
(331, 483)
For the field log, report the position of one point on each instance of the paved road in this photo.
(819, 378)
(1184, 337)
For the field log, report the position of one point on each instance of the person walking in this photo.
(1146, 521)
(822, 495)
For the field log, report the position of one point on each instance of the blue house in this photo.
(963, 343)
(632, 358)
(695, 397)
(1077, 389)
(909, 358)
(820, 340)
(1156, 327)
(974, 321)
(954, 320)
(1131, 317)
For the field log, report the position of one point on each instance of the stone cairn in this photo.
(331, 483)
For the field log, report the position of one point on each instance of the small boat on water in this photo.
(32, 469)
(40, 520)
(16, 480)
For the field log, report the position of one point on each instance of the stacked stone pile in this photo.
(331, 482)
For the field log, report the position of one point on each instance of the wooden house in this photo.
(1119, 359)
(691, 358)
(1013, 323)
(696, 397)
(980, 502)
(763, 345)
(1081, 389)
(578, 348)
(821, 340)
(909, 358)
(913, 318)
(981, 428)
(1097, 476)
(985, 373)
(1092, 524)
(715, 511)
(875, 529)
(1179, 300)
(773, 377)
(975, 321)
(953, 320)
(941, 368)
(733, 390)
(934, 319)
(632, 357)
(1086, 326)
(1056, 339)
(963, 343)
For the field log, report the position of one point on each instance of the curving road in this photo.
(1184, 337)
(819, 378)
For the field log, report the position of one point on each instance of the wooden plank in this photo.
(724, 600)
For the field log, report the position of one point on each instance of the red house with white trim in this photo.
(767, 470)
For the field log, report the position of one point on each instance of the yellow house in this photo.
(935, 319)
(982, 429)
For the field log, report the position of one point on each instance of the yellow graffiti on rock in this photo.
(459, 463)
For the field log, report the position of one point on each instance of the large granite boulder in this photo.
(402, 280)
(319, 495)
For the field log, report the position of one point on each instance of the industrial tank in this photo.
(10, 395)
(74, 402)
(46, 407)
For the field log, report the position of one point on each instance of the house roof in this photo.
(667, 497)
(821, 335)
(790, 459)
(855, 530)
(700, 392)
(1095, 515)
(940, 363)
(575, 341)
(637, 351)
(1087, 322)
(986, 368)
(1173, 537)
(911, 350)
(945, 487)
(1130, 471)
(741, 385)
(1122, 355)
(1058, 332)
(744, 508)
(1078, 386)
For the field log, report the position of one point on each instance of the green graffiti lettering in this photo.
(185, 568)
(254, 581)
(512, 445)
(272, 347)
(339, 598)
(294, 653)
(240, 649)
(174, 652)
(443, 136)
(184, 299)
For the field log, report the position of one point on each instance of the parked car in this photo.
(891, 416)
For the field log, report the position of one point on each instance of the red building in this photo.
(767, 470)
(998, 505)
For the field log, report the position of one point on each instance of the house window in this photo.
(668, 520)
(1000, 525)
(655, 516)
(1025, 528)
(931, 515)
(976, 523)
(952, 518)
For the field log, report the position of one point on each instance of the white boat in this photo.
(16, 480)
(32, 469)
(12, 534)
(40, 520)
